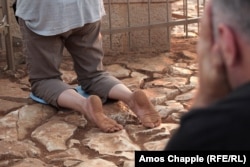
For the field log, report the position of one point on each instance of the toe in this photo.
(157, 123)
(151, 120)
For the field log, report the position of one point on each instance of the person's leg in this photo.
(43, 61)
(86, 48)
(138, 103)
(90, 107)
(43, 58)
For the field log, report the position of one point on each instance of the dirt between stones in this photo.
(177, 46)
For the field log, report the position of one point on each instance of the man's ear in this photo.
(228, 45)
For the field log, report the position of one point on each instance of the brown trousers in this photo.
(44, 55)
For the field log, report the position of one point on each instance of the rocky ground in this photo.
(33, 134)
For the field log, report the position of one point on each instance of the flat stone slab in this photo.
(54, 134)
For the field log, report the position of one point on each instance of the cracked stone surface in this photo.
(33, 134)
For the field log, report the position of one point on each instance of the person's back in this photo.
(220, 115)
(50, 17)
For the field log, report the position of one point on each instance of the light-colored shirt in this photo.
(51, 17)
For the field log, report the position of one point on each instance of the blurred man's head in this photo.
(234, 14)
(231, 26)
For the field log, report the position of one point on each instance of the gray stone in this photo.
(136, 81)
(73, 142)
(116, 144)
(193, 66)
(8, 106)
(28, 162)
(54, 134)
(30, 116)
(177, 116)
(138, 133)
(18, 149)
(151, 64)
(5, 163)
(8, 126)
(178, 71)
(129, 164)
(186, 96)
(97, 162)
(172, 106)
(172, 127)
(164, 111)
(76, 119)
(157, 75)
(118, 71)
(189, 55)
(120, 112)
(160, 95)
(194, 80)
(186, 88)
(14, 91)
(67, 156)
(156, 145)
(132, 83)
(168, 82)
(70, 163)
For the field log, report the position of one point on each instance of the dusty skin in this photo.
(95, 114)
(139, 104)
(144, 110)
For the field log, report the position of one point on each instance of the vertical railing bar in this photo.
(150, 7)
(184, 14)
(186, 6)
(8, 36)
(129, 24)
(149, 21)
(198, 14)
(110, 25)
(168, 28)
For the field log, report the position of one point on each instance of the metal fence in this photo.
(6, 33)
(168, 20)
(151, 19)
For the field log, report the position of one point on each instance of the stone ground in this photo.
(33, 134)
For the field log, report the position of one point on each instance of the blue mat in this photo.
(39, 100)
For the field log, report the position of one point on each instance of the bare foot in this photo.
(95, 114)
(144, 110)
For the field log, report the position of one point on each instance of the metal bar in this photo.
(169, 14)
(184, 13)
(198, 7)
(179, 16)
(184, 20)
(156, 25)
(129, 24)
(186, 10)
(149, 21)
(198, 13)
(8, 36)
(110, 24)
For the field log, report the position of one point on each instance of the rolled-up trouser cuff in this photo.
(49, 90)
